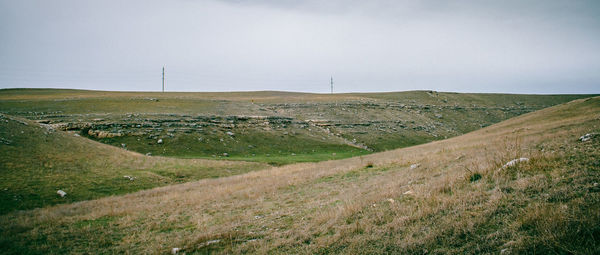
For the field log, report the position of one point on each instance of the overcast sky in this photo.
(515, 46)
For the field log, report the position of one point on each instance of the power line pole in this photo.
(163, 80)
(331, 84)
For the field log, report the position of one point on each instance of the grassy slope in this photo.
(369, 204)
(38, 161)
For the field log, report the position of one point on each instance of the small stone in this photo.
(391, 200)
(175, 250)
(514, 162)
(414, 166)
(61, 193)
(212, 241)
(159, 141)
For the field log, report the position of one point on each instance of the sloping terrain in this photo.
(450, 196)
(274, 127)
(36, 161)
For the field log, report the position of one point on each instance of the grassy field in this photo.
(36, 161)
(450, 196)
(273, 127)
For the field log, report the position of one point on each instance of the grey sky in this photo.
(517, 46)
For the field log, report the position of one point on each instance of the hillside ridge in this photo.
(274, 127)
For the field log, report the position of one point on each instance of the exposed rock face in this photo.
(103, 134)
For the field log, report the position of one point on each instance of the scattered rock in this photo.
(129, 177)
(587, 137)
(213, 241)
(61, 193)
(414, 166)
(225, 154)
(514, 162)
(175, 250)
(5, 141)
(159, 141)
(229, 133)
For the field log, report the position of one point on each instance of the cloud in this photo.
(382, 45)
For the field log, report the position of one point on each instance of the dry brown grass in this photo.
(547, 205)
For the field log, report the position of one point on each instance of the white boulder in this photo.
(587, 137)
(514, 162)
(61, 193)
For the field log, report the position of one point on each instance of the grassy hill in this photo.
(36, 161)
(274, 127)
(450, 196)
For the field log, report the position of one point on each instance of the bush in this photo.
(475, 177)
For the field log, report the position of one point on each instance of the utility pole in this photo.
(163, 80)
(331, 84)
